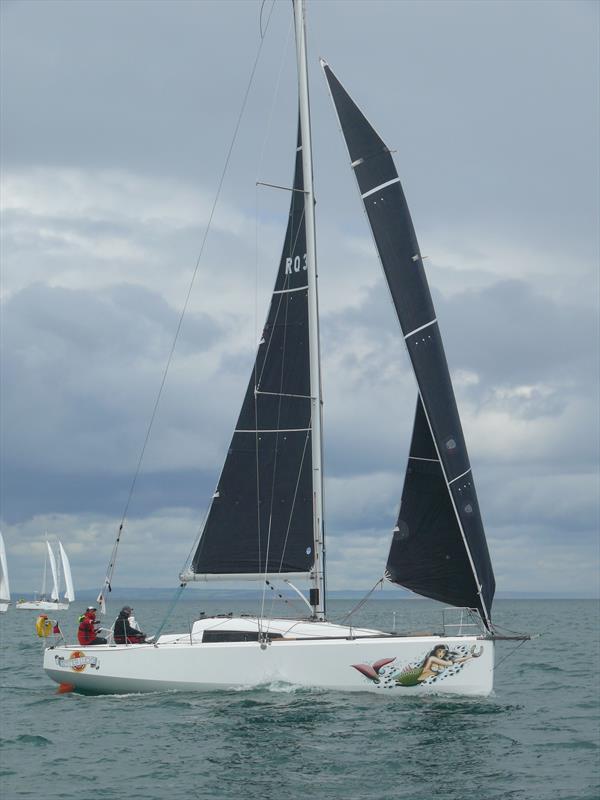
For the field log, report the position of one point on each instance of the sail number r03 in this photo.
(296, 264)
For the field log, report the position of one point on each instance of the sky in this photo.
(116, 118)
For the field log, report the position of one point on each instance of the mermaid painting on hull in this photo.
(437, 662)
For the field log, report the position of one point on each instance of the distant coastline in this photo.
(146, 593)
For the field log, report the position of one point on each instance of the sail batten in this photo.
(438, 548)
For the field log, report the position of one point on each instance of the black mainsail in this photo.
(439, 548)
(260, 521)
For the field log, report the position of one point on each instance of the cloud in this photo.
(88, 539)
(527, 564)
(88, 228)
(82, 367)
(511, 331)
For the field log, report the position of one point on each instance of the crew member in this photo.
(87, 633)
(123, 632)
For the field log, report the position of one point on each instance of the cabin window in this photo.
(235, 636)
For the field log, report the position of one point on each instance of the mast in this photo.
(317, 594)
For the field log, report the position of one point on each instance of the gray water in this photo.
(536, 737)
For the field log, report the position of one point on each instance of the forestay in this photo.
(260, 521)
(439, 548)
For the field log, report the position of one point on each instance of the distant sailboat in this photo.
(43, 602)
(4, 584)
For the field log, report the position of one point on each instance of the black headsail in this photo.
(439, 548)
(261, 516)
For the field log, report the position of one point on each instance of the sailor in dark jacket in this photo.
(123, 633)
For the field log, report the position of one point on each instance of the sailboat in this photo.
(265, 520)
(43, 602)
(4, 584)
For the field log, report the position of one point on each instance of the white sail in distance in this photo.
(53, 567)
(66, 568)
(4, 584)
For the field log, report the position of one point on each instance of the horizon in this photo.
(391, 593)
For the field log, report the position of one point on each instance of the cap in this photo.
(128, 609)
(91, 608)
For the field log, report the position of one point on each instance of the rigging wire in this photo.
(257, 377)
(289, 525)
(277, 595)
(261, 159)
(281, 395)
(174, 602)
(260, 13)
(276, 457)
(504, 629)
(510, 653)
(361, 603)
(111, 566)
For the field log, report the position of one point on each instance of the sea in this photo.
(535, 738)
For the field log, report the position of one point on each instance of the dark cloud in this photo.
(29, 492)
(125, 85)
(511, 333)
(80, 372)
(507, 334)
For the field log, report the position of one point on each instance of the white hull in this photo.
(339, 663)
(40, 605)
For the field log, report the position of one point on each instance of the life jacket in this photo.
(43, 626)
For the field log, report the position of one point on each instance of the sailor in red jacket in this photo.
(87, 633)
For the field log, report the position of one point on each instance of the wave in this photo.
(27, 739)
